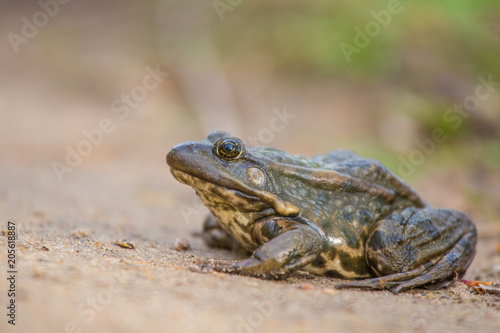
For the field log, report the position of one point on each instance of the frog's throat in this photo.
(281, 207)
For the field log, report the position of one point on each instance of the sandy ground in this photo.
(71, 275)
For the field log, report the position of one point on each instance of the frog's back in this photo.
(359, 171)
(345, 214)
(349, 163)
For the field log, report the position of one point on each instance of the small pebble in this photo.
(80, 233)
(125, 244)
(182, 244)
(305, 286)
(329, 291)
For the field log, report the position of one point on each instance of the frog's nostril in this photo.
(183, 154)
(171, 156)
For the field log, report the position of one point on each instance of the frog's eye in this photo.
(229, 149)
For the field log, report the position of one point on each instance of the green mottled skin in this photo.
(337, 214)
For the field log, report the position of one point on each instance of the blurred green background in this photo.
(231, 63)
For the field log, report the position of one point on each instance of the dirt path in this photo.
(72, 277)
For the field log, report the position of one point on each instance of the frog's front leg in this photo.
(416, 247)
(286, 247)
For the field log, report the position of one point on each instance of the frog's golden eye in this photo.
(229, 149)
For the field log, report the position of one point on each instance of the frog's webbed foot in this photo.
(389, 281)
(287, 246)
(202, 266)
(425, 275)
(251, 267)
(414, 247)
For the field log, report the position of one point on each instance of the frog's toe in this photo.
(201, 267)
(390, 282)
(252, 267)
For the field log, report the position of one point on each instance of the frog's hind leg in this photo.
(418, 247)
(388, 281)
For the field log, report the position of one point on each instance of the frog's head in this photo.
(228, 176)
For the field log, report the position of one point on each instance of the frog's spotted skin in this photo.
(337, 214)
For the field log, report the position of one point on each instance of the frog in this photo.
(337, 215)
